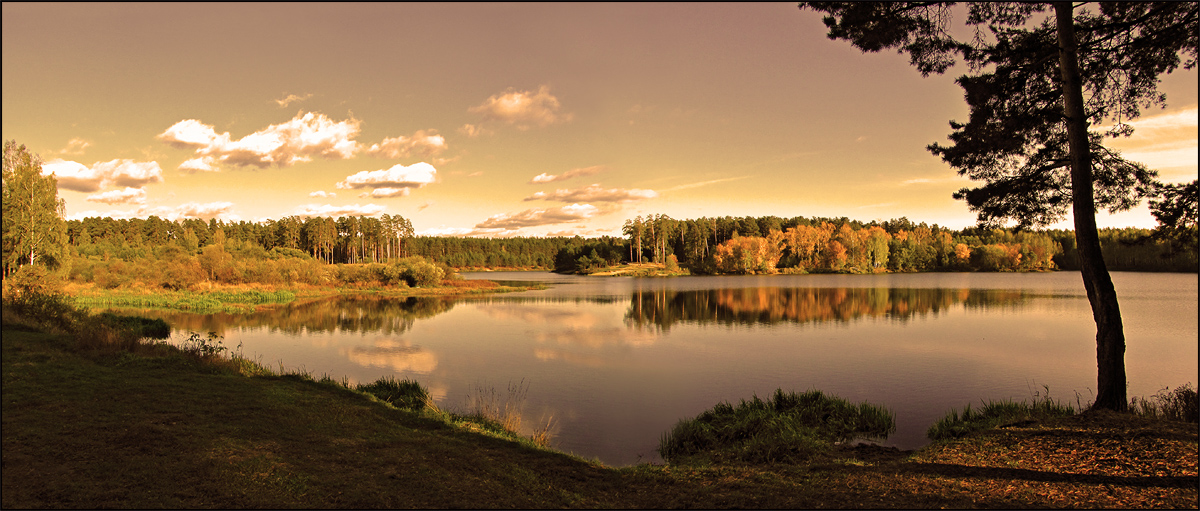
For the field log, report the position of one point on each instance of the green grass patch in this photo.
(404, 394)
(788, 427)
(215, 301)
(995, 414)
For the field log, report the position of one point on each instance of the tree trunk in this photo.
(1110, 335)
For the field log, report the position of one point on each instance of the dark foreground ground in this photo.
(124, 430)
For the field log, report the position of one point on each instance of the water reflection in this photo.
(381, 315)
(660, 309)
(394, 354)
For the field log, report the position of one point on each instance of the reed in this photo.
(1181, 404)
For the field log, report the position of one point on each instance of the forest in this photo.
(43, 248)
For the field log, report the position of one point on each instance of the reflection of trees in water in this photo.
(382, 315)
(771, 305)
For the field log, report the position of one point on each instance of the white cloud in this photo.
(704, 183)
(1182, 119)
(205, 211)
(75, 146)
(422, 143)
(472, 130)
(201, 164)
(282, 145)
(311, 210)
(523, 109)
(292, 98)
(594, 193)
(585, 171)
(322, 194)
(385, 193)
(81, 178)
(394, 182)
(127, 195)
(536, 217)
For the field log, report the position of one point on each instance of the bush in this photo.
(415, 272)
(34, 279)
(404, 394)
(789, 427)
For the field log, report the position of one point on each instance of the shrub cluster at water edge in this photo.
(789, 427)
(404, 394)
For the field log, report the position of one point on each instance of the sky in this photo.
(495, 119)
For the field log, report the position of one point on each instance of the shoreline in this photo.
(154, 430)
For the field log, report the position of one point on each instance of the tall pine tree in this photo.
(1033, 90)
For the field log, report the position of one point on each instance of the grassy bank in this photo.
(99, 422)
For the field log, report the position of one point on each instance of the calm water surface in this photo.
(617, 361)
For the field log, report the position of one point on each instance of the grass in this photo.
(1181, 404)
(788, 427)
(119, 425)
(995, 414)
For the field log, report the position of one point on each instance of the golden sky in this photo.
(494, 119)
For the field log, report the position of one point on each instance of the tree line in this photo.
(771, 244)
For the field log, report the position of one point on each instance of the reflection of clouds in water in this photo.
(588, 360)
(540, 314)
(597, 337)
(394, 354)
(581, 337)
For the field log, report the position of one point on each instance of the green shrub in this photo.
(404, 394)
(789, 427)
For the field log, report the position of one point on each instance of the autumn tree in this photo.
(34, 230)
(1027, 135)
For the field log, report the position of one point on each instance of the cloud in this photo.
(322, 194)
(311, 210)
(536, 217)
(472, 130)
(75, 146)
(704, 183)
(292, 98)
(205, 211)
(523, 109)
(81, 178)
(385, 193)
(422, 143)
(394, 182)
(282, 145)
(427, 204)
(201, 164)
(1187, 118)
(398, 355)
(594, 193)
(127, 195)
(585, 171)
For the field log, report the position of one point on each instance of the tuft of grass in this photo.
(404, 394)
(1181, 404)
(502, 414)
(1000, 413)
(789, 427)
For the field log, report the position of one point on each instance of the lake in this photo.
(617, 361)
